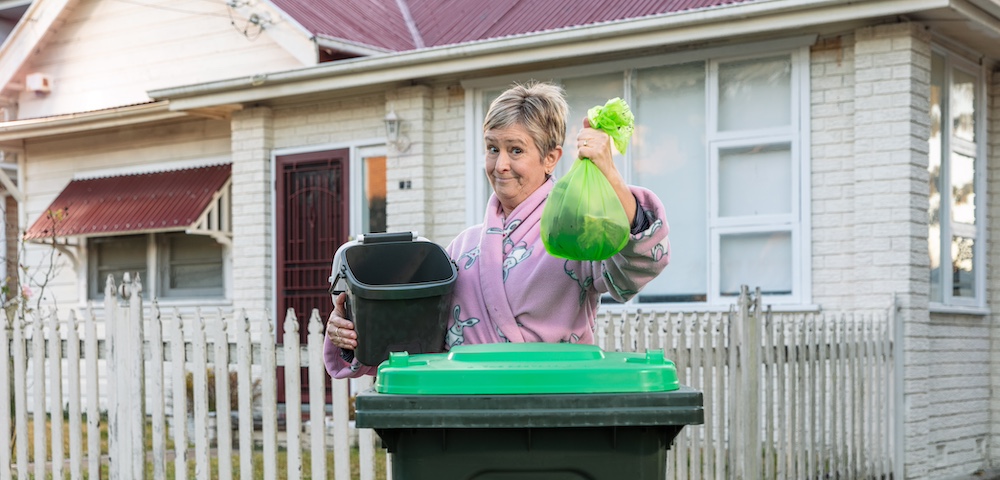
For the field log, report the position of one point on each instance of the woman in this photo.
(508, 288)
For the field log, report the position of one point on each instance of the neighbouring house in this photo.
(838, 154)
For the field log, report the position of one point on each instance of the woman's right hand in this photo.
(339, 329)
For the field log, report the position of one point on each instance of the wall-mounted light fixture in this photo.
(393, 133)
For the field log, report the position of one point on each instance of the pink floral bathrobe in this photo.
(510, 290)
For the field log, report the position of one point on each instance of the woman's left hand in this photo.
(595, 145)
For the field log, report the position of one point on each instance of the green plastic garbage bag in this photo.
(583, 218)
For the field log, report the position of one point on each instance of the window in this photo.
(368, 190)
(186, 266)
(720, 140)
(373, 199)
(955, 153)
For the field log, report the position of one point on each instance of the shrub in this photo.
(212, 395)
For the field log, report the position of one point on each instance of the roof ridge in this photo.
(404, 9)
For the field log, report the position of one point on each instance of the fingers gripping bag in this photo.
(583, 218)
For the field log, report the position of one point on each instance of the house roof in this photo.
(171, 200)
(410, 24)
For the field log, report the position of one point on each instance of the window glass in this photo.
(582, 94)
(114, 256)
(669, 146)
(193, 267)
(756, 259)
(755, 181)
(373, 213)
(755, 94)
(934, 170)
(185, 266)
(963, 105)
(963, 189)
(963, 268)
(953, 234)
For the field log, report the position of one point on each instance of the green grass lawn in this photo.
(258, 457)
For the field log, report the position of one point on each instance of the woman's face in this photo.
(514, 165)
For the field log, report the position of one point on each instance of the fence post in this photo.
(93, 390)
(293, 395)
(179, 412)
(752, 373)
(38, 393)
(899, 414)
(136, 377)
(244, 358)
(734, 391)
(269, 398)
(126, 415)
(199, 377)
(55, 395)
(223, 419)
(745, 378)
(6, 400)
(20, 353)
(157, 393)
(115, 460)
(75, 407)
(317, 395)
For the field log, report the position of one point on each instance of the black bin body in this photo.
(529, 437)
(398, 294)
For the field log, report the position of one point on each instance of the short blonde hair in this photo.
(539, 107)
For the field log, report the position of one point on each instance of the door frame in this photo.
(278, 212)
(357, 150)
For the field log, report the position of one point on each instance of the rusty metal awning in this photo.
(193, 199)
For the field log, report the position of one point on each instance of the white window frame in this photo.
(950, 303)
(798, 222)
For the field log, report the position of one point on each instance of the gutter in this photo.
(84, 121)
(985, 13)
(355, 48)
(609, 37)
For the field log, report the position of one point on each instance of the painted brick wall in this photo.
(448, 161)
(409, 208)
(891, 89)
(832, 132)
(342, 122)
(252, 140)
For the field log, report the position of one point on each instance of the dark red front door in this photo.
(312, 222)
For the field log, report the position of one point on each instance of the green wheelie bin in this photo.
(528, 411)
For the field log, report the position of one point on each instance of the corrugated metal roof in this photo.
(131, 203)
(381, 23)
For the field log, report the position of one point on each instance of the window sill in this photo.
(959, 310)
(701, 307)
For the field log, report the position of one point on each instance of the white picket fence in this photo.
(814, 400)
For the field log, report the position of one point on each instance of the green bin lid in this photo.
(526, 368)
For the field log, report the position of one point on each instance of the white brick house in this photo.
(866, 125)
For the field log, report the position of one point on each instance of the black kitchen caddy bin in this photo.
(398, 292)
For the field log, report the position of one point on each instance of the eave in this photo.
(87, 121)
